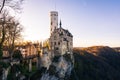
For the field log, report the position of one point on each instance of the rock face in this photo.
(60, 68)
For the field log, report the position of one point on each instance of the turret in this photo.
(53, 21)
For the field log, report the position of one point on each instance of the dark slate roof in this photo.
(66, 31)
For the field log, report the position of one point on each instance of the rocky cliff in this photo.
(60, 68)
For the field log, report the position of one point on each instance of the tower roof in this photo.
(60, 24)
(53, 11)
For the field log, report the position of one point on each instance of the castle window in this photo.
(56, 48)
(55, 15)
(51, 23)
(58, 43)
(64, 39)
(55, 37)
(54, 43)
(55, 27)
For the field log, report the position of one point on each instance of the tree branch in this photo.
(3, 4)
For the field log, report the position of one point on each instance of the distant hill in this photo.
(117, 48)
(97, 63)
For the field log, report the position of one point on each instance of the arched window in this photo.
(58, 43)
(51, 23)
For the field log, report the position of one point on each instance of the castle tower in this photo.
(53, 21)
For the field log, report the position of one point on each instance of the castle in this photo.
(61, 40)
(59, 43)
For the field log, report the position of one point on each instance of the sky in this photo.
(92, 22)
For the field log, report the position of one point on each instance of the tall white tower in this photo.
(53, 21)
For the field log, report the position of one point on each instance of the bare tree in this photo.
(13, 4)
(13, 33)
(5, 5)
(2, 33)
(2, 5)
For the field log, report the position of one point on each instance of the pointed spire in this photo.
(60, 24)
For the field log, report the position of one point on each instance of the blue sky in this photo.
(92, 22)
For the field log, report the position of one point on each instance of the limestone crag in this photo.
(60, 68)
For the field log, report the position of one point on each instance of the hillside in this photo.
(92, 63)
(117, 48)
(97, 63)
